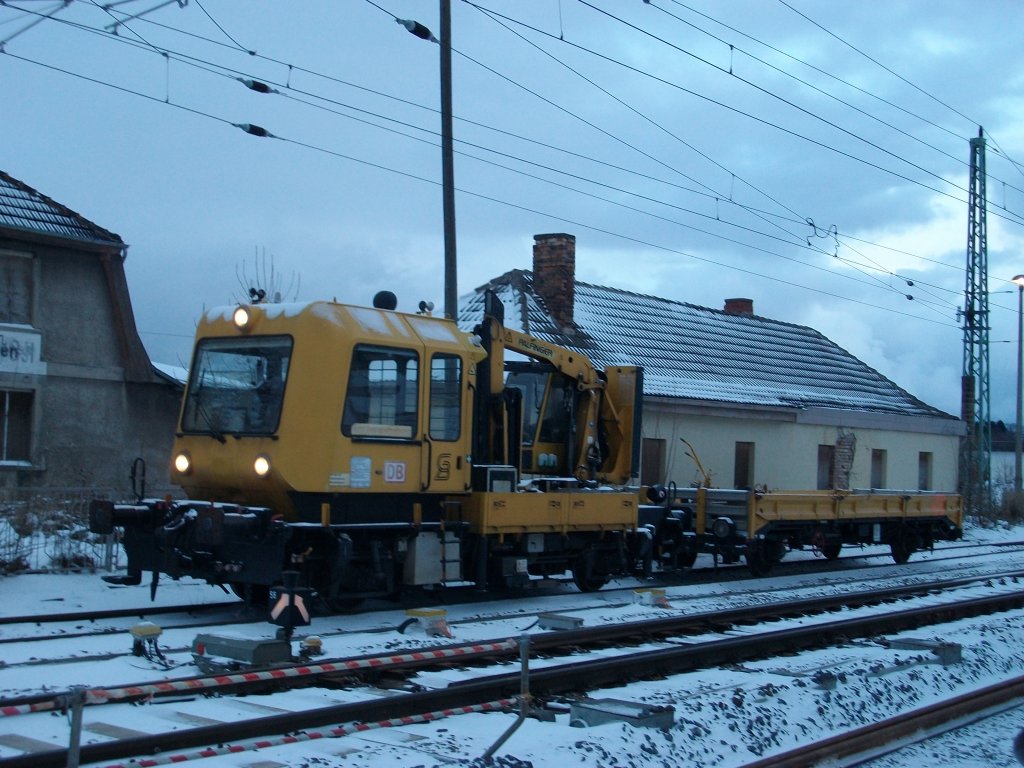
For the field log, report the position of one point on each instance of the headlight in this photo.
(261, 466)
(183, 463)
(242, 317)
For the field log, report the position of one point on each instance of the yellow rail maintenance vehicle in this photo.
(371, 450)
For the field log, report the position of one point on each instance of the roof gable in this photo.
(697, 353)
(24, 209)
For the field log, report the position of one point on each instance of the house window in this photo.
(924, 471)
(15, 288)
(743, 475)
(878, 468)
(15, 426)
(652, 461)
(826, 459)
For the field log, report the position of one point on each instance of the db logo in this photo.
(394, 471)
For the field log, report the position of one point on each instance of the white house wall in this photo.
(786, 450)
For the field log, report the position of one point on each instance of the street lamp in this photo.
(1019, 281)
(451, 293)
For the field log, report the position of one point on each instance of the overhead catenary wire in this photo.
(1013, 218)
(256, 130)
(825, 93)
(547, 214)
(648, 119)
(291, 67)
(259, 131)
(900, 77)
(835, 78)
(852, 264)
(120, 22)
(796, 240)
(389, 169)
(719, 197)
(41, 17)
(870, 58)
(864, 269)
(792, 104)
(217, 24)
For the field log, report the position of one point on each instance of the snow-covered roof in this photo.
(172, 373)
(23, 208)
(697, 353)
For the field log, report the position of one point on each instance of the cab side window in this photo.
(382, 399)
(445, 397)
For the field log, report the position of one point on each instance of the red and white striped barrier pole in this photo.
(333, 733)
(24, 709)
(105, 695)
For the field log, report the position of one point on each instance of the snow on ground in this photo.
(722, 717)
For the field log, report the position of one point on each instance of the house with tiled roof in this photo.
(729, 395)
(79, 398)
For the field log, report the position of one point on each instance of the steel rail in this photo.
(118, 613)
(572, 677)
(871, 741)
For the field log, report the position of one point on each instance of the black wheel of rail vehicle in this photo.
(583, 582)
(902, 547)
(685, 557)
(831, 549)
(253, 594)
(762, 555)
(757, 563)
(344, 604)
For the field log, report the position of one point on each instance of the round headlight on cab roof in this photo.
(242, 318)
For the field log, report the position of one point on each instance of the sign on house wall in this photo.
(21, 351)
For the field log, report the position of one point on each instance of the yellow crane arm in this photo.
(573, 364)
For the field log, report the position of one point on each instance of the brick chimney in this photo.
(554, 274)
(739, 306)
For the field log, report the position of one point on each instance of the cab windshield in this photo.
(236, 386)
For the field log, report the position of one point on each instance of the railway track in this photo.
(549, 643)
(559, 678)
(111, 642)
(860, 745)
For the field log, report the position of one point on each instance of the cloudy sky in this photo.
(811, 155)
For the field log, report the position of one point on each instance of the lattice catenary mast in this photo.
(976, 446)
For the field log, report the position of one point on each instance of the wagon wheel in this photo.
(902, 548)
(344, 604)
(759, 563)
(831, 549)
(583, 582)
(253, 594)
(685, 558)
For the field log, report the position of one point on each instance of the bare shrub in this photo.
(1011, 509)
(48, 528)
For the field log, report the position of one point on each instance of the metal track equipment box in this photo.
(591, 712)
